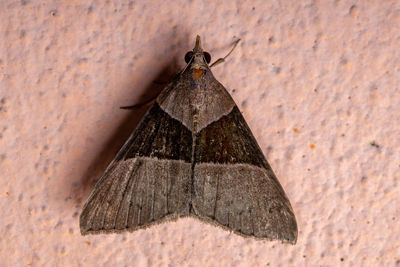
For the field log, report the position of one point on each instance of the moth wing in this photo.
(148, 182)
(234, 186)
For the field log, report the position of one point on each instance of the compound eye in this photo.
(188, 56)
(207, 56)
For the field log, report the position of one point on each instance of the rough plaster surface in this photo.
(317, 81)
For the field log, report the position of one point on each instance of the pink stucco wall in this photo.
(317, 81)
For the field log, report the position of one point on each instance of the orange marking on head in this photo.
(197, 73)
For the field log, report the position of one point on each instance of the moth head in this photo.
(197, 56)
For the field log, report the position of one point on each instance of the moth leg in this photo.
(139, 105)
(221, 60)
(151, 100)
(158, 82)
(172, 78)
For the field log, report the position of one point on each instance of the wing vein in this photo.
(123, 196)
(130, 200)
(216, 194)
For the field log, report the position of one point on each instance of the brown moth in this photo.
(192, 154)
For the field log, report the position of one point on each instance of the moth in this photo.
(194, 155)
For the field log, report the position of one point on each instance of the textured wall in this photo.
(317, 81)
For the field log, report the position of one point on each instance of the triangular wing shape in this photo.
(234, 186)
(192, 154)
(148, 182)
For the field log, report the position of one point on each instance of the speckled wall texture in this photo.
(317, 81)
